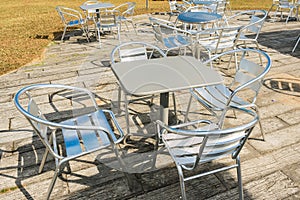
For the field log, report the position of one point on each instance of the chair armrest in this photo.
(177, 128)
(72, 12)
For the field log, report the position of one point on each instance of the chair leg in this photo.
(126, 113)
(181, 180)
(43, 160)
(260, 58)
(63, 35)
(56, 173)
(259, 122)
(119, 100)
(188, 109)
(239, 176)
(133, 27)
(298, 39)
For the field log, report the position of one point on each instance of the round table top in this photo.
(198, 17)
(205, 2)
(96, 6)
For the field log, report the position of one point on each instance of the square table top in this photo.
(161, 75)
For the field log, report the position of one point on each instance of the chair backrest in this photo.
(284, 3)
(108, 18)
(189, 146)
(226, 38)
(67, 14)
(218, 7)
(256, 21)
(130, 9)
(131, 51)
(250, 71)
(172, 5)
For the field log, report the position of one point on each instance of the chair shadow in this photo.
(282, 41)
(286, 86)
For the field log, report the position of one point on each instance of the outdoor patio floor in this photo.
(270, 169)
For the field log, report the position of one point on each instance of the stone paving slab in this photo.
(270, 168)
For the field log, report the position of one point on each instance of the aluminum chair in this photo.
(192, 144)
(242, 89)
(250, 29)
(131, 51)
(94, 130)
(108, 21)
(72, 18)
(275, 3)
(219, 7)
(289, 6)
(176, 8)
(170, 37)
(217, 40)
(127, 11)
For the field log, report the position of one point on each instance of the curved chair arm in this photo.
(245, 85)
(176, 129)
(54, 124)
(247, 12)
(71, 12)
(172, 26)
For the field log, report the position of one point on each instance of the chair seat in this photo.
(216, 97)
(91, 139)
(76, 22)
(176, 41)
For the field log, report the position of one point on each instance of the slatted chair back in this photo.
(227, 38)
(191, 143)
(130, 51)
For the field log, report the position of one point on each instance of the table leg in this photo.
(164, 102)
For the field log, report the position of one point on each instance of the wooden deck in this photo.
(270, 169)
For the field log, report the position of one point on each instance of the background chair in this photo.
(289, 7)
(241, 90)
(78, 135)
(108, 21)
(170, 37)
(215, 41)
(127, 11)
(176, 8)
(250, 29)
(192, 144)
(72, 18)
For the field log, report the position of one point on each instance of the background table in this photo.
(198, 17)
(96, 6)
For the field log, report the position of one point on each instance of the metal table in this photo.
(163, 75)
(198, 17)
(96, 6)
(201, 2)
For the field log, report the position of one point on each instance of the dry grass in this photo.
(28, 26)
